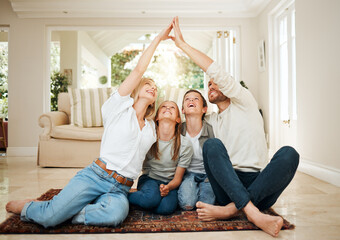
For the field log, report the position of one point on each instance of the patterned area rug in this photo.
(138, 221)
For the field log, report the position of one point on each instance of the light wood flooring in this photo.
(312, 205)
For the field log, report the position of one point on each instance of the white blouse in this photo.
(124, 145)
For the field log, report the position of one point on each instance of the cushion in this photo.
(64, 104)
(86, 106)
(77, 133)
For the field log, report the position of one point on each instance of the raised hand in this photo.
(134, 78)
(200, 58)
(178, 38)
(164, 34)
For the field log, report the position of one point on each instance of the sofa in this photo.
(62, 144)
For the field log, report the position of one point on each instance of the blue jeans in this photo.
(149, 196)
(92, 197)
(261, 188)
(195, 187)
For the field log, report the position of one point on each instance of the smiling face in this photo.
(214, 93)
(168, 110)
(148, 90)
(193, 104)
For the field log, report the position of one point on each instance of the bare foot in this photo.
(17, 205)
(270, 224)
(208, 212)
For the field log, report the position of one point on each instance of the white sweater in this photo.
(240, 126)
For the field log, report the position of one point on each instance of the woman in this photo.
(165, 163)
(97, 195)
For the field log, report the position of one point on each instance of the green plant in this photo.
(59, 84)
(103, 79)
(4, 108)
(118, 61)
(243, 84)
(3, 80)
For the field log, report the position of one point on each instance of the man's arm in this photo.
(226, 83)
(201, 59)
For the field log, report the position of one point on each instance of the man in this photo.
(235, 163)
(195, 185)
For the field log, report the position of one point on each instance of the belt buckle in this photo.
(120, 179)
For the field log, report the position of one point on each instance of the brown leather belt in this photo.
(119, 178)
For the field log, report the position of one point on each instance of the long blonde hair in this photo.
(135, 94)
(177, 136)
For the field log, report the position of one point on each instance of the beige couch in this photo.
(64, 145)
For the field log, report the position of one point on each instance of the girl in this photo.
(97, 195)
(165, 163)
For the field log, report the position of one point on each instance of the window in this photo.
(226, 51)
(4, 72)
(287, 64)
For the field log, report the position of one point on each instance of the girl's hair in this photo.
(135, 94)
(203, 99)
(177, 136)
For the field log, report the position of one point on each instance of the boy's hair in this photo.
(177, 136)
(203, 99)
(135, 94)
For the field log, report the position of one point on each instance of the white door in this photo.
(287, 77)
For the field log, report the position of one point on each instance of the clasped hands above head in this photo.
(177, 38)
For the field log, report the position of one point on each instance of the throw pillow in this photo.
(86, 106)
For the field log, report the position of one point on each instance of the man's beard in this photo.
(219, 97)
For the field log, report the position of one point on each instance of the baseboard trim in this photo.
(322, 172)
(22, 151)
(327, 174)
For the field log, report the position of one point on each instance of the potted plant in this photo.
(59, 84)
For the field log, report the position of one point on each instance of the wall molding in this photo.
(319, 171)
(22, 151)
(322, 172)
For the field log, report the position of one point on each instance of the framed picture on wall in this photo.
(261, 56)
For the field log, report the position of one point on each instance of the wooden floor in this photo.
(312, 205)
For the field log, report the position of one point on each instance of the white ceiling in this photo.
(137, 8)
(112, 41)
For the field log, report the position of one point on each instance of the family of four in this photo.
(216, 164)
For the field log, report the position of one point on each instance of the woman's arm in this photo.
(174, 183)
(132, 81)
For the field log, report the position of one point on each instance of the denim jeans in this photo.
(262, 188)
(92, 197)
(195, 187)
(149, 196)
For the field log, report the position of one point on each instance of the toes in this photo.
(199, 210)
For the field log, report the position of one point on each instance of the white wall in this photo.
(92, 54)
(318, 85)
(70, 55)
(28, 78)
(263, 77)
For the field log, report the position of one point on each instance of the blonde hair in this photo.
(135, 94)
(177, 136)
